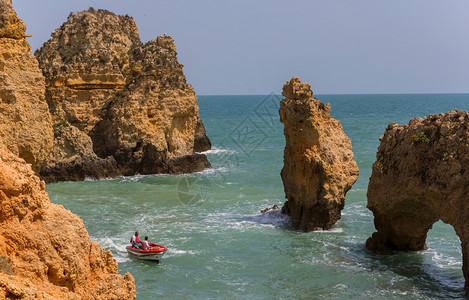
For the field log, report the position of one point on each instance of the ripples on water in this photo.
(220, 246)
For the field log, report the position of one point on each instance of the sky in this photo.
(255, 46)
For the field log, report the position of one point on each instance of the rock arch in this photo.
(421, 176)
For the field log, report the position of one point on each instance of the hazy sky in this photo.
(253, 47)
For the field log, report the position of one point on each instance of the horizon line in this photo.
(327, 94)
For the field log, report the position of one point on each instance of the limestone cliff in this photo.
(153, 121)
(25, 122)
(421, 176)
(130, 98)
(85, 62)
(319, 167)
(73, 158)
(45, 249)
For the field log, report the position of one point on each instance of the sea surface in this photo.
(219, 244)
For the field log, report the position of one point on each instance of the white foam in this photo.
(176, 252)
(215, 150)
(340, 286)
(215, 170)
(358, 190)
(108, 243)
(333, 230)
(445, 262)
(122, 259)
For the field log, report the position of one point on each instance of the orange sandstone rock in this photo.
(85, 62)
(421, 176)
(10, 25)
(153, 121)
(47, 246)
(131, 99)
(319, 167)
(25, 122)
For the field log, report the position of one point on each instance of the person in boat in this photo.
(135, 241)
(145, 245)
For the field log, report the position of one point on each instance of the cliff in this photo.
(153, 121)
(130, 98)
(25, 122)
(45, 249)
(72, 157)
(419, 177)
(319, 167)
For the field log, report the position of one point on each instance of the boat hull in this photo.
(151, 254)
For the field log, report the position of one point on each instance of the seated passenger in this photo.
(145, 244)
(135, 241)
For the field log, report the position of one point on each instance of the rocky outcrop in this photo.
(130, 98)
(421, 176)
(85, 63)
(72, 157)
(150, 126)
(46, 248)
(319, 167)
(201, 141)
(274, 207)
(25, 121)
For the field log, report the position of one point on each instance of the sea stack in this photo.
(421, 176)
(131, 99)
(319, 167)
(25, 122)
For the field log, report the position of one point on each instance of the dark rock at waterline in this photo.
(80, 169)
(201, 141)
(269, 208)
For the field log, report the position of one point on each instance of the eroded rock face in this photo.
(131, 99)
(201, 141)
(151, 125)
(47, 247)
(85, 62)
(73, 158)
(319, 167)
(25, 121)
(421, 176)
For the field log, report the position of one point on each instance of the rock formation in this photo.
(130, 98)
(274, 207)
(72, 157)
(46, 248)
(319, 167)
(421, 176)
(25, 122)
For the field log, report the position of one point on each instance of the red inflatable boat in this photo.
(154, 253)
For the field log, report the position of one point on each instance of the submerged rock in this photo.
(275, 207)
(421, 176)
(46, 248)
(25, 122)
(130, 98)
(319, 167)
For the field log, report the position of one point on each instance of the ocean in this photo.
(219, 244)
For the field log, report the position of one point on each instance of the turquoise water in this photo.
(220, 246)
